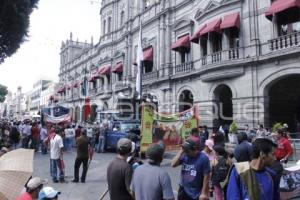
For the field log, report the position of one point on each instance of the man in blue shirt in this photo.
(254, 181)
(194, 172)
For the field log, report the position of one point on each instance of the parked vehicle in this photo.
(122, 129)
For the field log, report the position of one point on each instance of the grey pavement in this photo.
(96, 177)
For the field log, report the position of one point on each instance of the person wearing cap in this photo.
(150, 181)
(82, 157)
(195, 136)
(48, 193)
(33, 188)
(119, 172)
(194, 172)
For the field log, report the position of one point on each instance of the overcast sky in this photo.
(51, 23)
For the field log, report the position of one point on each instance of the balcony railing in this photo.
(150, 75)
(234, 54)
(285, 41)
(93, 91)
(216, 57)
(221, 56)
(184, 67)
(203, 60)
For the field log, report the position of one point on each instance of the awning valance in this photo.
(231, 21)
(280, 6)
(213, 26)
(118, 68)
(104, 70)
(182, 43)
(62, 89)
(92, 79)
(68, 87)
(148, 54)
(196, 36)
(76, 84)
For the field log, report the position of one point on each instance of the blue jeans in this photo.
(101, 145)
(68, 143)
(54, 165)
(43, 147)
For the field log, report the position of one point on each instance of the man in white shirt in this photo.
(69, 135)
(56, 156)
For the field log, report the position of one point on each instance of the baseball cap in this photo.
(35, 182)
(210, 144)
(48, 192)
(124, 144)
(188, 145)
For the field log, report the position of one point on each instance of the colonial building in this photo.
(237, 60)
(36, 97)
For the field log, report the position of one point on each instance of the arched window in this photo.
(104, 27)
(122, 18)
(109, 25)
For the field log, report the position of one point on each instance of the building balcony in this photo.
(92, 91)
(120, 85)
(184, 67)
(285, 41)
(150, 75)
(222, 56)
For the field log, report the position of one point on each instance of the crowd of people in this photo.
(208, 169)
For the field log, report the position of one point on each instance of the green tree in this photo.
(14, 23)
(3, 93)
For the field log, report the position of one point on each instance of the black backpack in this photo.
(220, 170)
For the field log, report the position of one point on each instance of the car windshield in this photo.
(127, 126)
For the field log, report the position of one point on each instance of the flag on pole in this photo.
(139, 60)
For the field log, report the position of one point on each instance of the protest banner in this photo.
(171, 129)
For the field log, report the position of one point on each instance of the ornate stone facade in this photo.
(230, 69)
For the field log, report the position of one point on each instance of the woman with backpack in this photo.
(220, 168)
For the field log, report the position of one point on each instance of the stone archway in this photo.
(223, 104)
(186, 100)
(283, 106)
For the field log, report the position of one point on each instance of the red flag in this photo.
(87, 108)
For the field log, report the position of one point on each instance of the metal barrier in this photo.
(296, 148)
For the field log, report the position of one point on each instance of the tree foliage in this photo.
(3, 93)
(14, 23)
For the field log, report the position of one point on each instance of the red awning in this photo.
(104, 70)
(69, 87)
(182, 42)
(280, 6)
(118, 68)
(213, 26)
(61, 90)
(148, 54)
(231, 21)
(76, 84)
(92, 79)
(196, 36)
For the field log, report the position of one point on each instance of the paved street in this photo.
(96, 177)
